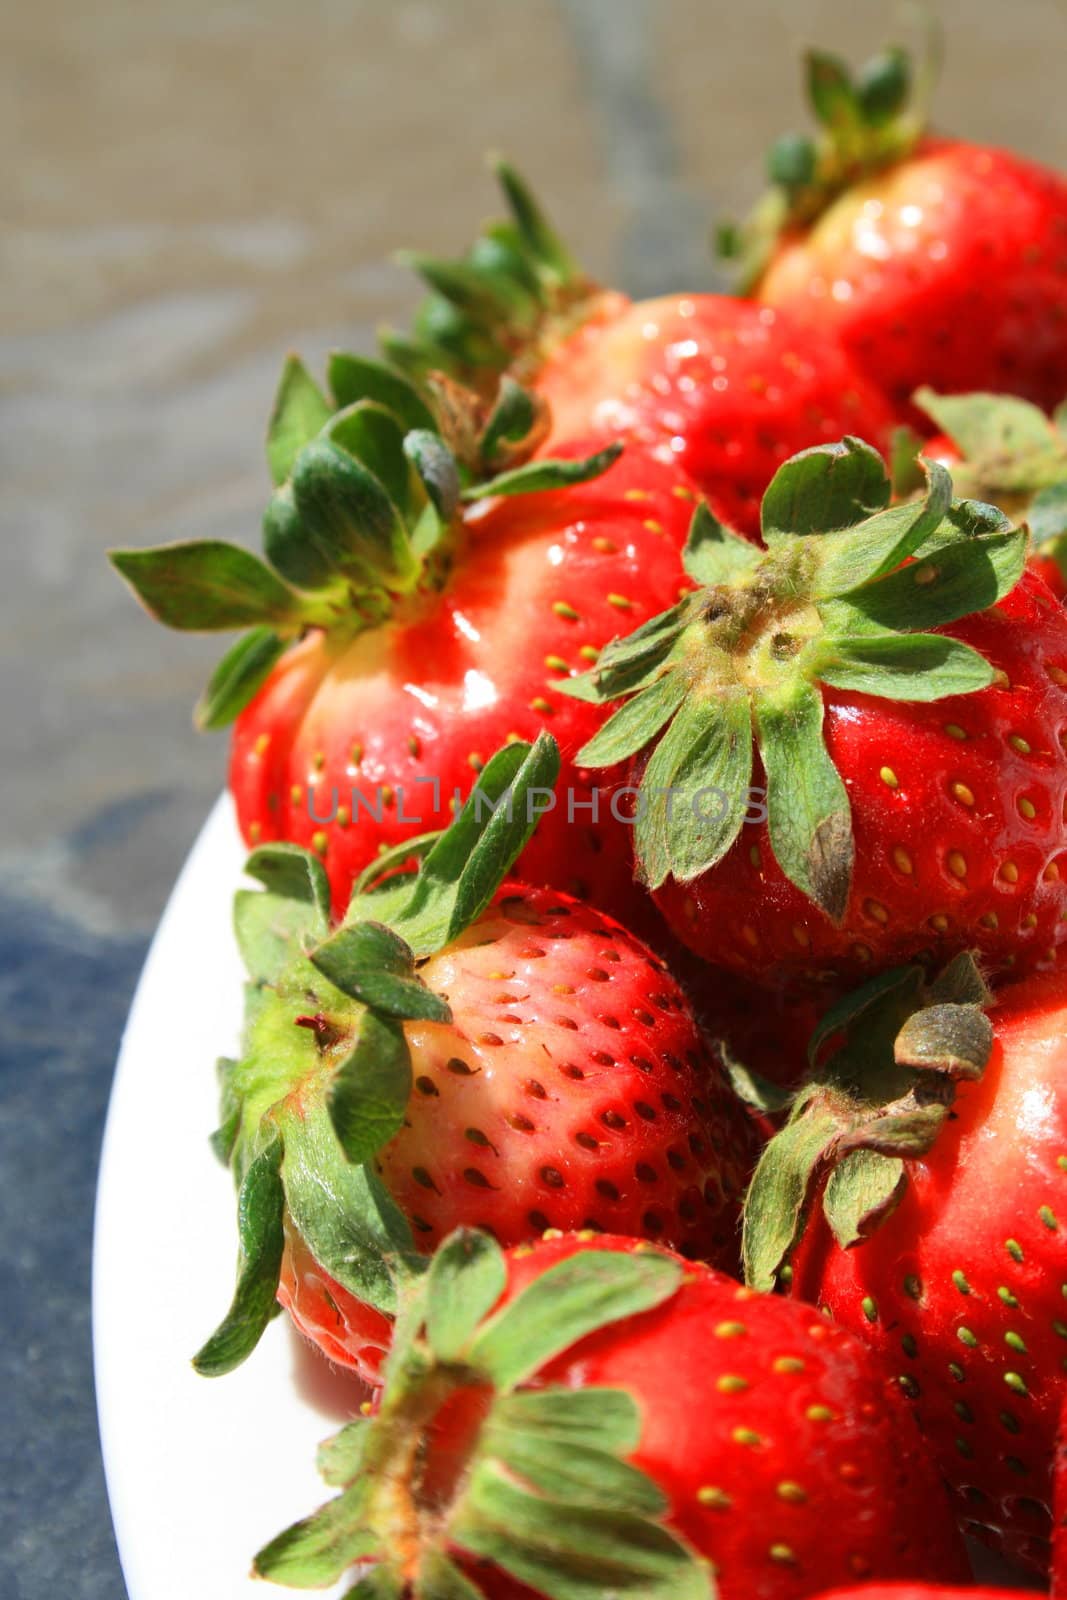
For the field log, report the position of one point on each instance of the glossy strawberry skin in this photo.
(948, 269)
(961, 1290)
(922, 1591)
(727, 389)
(958, 816)
(407, 713)
(572, 1090)
(786, 1458)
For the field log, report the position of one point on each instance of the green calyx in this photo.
(325, 1075)
(502, 305)
(867, 120)
(880, 1099)
(1014, 456)
(366, 516)
(845, 596)
(540, 1486)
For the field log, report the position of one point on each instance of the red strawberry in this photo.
(1008, 452)
(922, 1591)
(596, 1417)
(724, 388)
(419, 633)
(548, 1073)
(936, 1138)
(1059, 1498)
(906, 791)
(933, 260)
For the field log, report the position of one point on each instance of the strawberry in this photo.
(923, 1170)
(407, 627)
(933, 260)
(1008, 452)
(595, 1417)
(725, 388)
(922, 1591)
(537, 1068)
(1059, 1499)
(906, 792)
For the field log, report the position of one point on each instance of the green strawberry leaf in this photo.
(349, 1221)
(832, 94)
(540, 239)
(883, 87)
(535, 476)
(334, 520)
(466, 1279)
(919, 667)
(339, 1458)
(513, 419)
(238, 678)
(576, 1296)
(294, 873)
(205, 586)
(606, 1420)
(440, 1579)
(436, 467)
(880, 1098)
(876, 547)
(353, 378)
(780, 1191)
(300, 411)
(319, 1549)
(372, 964)
(558, 1464)
(808, 812)
(713, 552)
(467, 864)
(373, 436)
(987, 427)
(574, 1552)
(1047, 516)
(260, 1205)
(224, 1139)
(695, 791)
(860, 1192)
(945, 585)
(632, 663)
(635, 723)
(370, 1090)
(828, 487)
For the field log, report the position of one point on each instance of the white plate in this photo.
(200, 1472)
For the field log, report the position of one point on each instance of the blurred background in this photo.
(186, 193)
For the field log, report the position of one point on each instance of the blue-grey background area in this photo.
(187, 192)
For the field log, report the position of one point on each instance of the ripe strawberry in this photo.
(724, 388)
(417, 630)
(932, 260)
(1009, 453)
(922, 1591)
(1059, 1500)
(936, 1137)
(596, 1417)
(539, 1069)
(907, 789)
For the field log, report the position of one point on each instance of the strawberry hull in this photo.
(958, 813)
(960, 1289)
(350, 747)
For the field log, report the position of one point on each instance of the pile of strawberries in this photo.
(655, 771)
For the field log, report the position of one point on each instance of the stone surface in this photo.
(188, 192)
